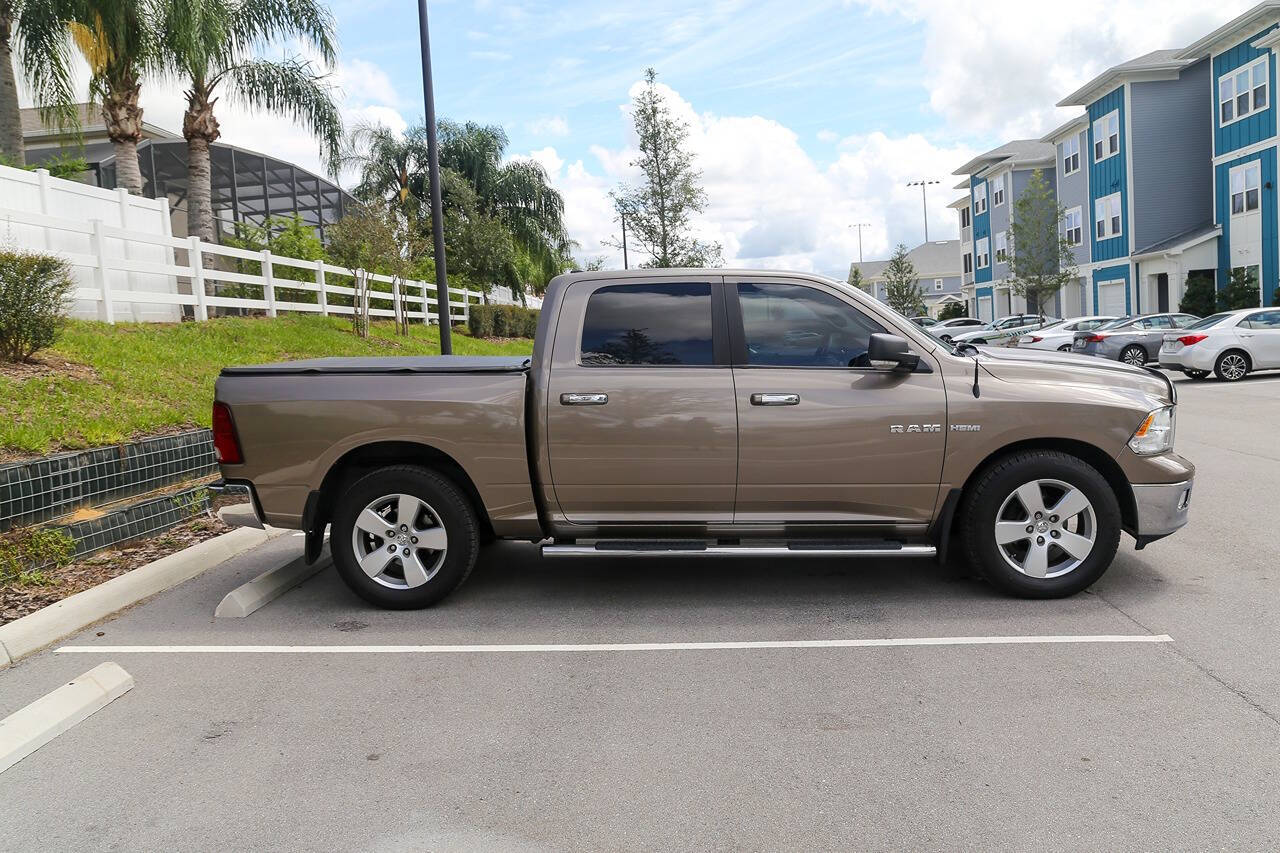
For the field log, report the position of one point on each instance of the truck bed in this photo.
(377, 365)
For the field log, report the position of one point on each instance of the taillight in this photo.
(1095, 339)
(1035, 339)
(226, 445)
(1188, 340)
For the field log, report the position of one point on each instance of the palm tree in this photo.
(213, 45)
(38, 29)
(516, 193)
(391, 166)
(119, 44)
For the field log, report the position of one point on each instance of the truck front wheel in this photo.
(1041, 524)
(403, 537)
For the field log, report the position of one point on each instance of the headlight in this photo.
(1155, 434)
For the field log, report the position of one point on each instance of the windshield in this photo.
(1211, 320)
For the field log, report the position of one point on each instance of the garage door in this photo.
(984, 309)
(1111, 298)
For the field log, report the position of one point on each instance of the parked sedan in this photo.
(1004, 330)
(1231, 344)
(947, 328)
(1133, 340)
(1059, 335)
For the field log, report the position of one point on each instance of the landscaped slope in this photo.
(101, 384)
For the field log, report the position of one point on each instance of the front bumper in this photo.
(1162, 509)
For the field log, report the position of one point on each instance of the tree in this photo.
(1041, 261)
(659, 207)
(902, 287)
(1241, 291)
(117, 40)
(951, 311)
(857, 279)
(1199, 297)
(392, 166)
(38, 29)
(214, 45)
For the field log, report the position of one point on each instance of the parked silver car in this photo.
(1004, 331)
(1133, 340)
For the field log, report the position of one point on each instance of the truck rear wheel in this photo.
(403, 537)
(1041, 524)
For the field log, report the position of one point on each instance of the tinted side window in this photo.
(1181, 321)
(1265, 320)
(664, 324)
(1160, 323)
(789, 325)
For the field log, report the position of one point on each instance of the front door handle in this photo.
(592, 399)
(775, 399)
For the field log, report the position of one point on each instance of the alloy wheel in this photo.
(1135, 356)
(1046, 528)
(399, 541)
(1233, 366)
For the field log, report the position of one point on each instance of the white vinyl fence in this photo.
(129, 266)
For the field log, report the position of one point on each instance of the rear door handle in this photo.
(592, 399)
(775, 399)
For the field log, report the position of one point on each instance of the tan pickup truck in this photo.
(709, 413)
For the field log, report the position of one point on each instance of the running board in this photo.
(646, 548)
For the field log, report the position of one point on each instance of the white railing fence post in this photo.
(321, 295)
(42, 177)
(426, 315)
(197, 277)
(268, 283)
(100, 272)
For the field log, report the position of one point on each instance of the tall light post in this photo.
(433, 174)
(860, 226)
(924, 202)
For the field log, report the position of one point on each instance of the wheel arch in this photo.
(369, 457)
(1107, 466)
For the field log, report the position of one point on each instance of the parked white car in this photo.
(955, 325)
(1059, 335)
(1004, 330)
(1231, 345)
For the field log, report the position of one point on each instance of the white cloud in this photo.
(825, 135)
(997, 67)
(548, 126)
(769, 203)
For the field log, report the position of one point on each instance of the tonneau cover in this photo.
(394, 364)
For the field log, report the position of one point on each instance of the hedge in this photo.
(502, 321)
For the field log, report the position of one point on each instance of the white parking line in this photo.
(501, 648)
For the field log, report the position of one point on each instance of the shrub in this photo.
(34, 289)
(1241, 292)
(1199, 298)
(26, 554)
(951, 311)
(502, 321)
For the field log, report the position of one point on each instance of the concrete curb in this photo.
(60, 619)
(26, 730)
(270, 585)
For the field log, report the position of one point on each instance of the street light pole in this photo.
(924, 203)
(860, 226)
(624, 239)
(433, 173)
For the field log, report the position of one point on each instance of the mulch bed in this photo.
(45, 365)
(18, 601)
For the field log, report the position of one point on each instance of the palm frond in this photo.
(45, 56)
(292, 87)
(311, 23)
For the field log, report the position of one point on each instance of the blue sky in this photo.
(805, 116)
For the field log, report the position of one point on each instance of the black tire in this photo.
(945, 338)
(1134, 354)
(1225, 367)
(982, 503)
(453, 512)
(1196, 374)
(979, 342)
(1065, 348)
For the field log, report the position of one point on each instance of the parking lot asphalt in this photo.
(1046, 746)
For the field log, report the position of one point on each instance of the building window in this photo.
(984, 253)
(937, 284)
(1074, 226)
(997, 191)
(1243, 92)
(964, 217)
(1071, 155)
(1106, 136)
(1106, 216)
(1002, 247)
(968, 263)
(980, 199)
(1245, 188)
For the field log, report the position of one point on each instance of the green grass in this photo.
(153, 378)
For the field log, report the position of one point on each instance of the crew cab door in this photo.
(641, 426)
(822, 435)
